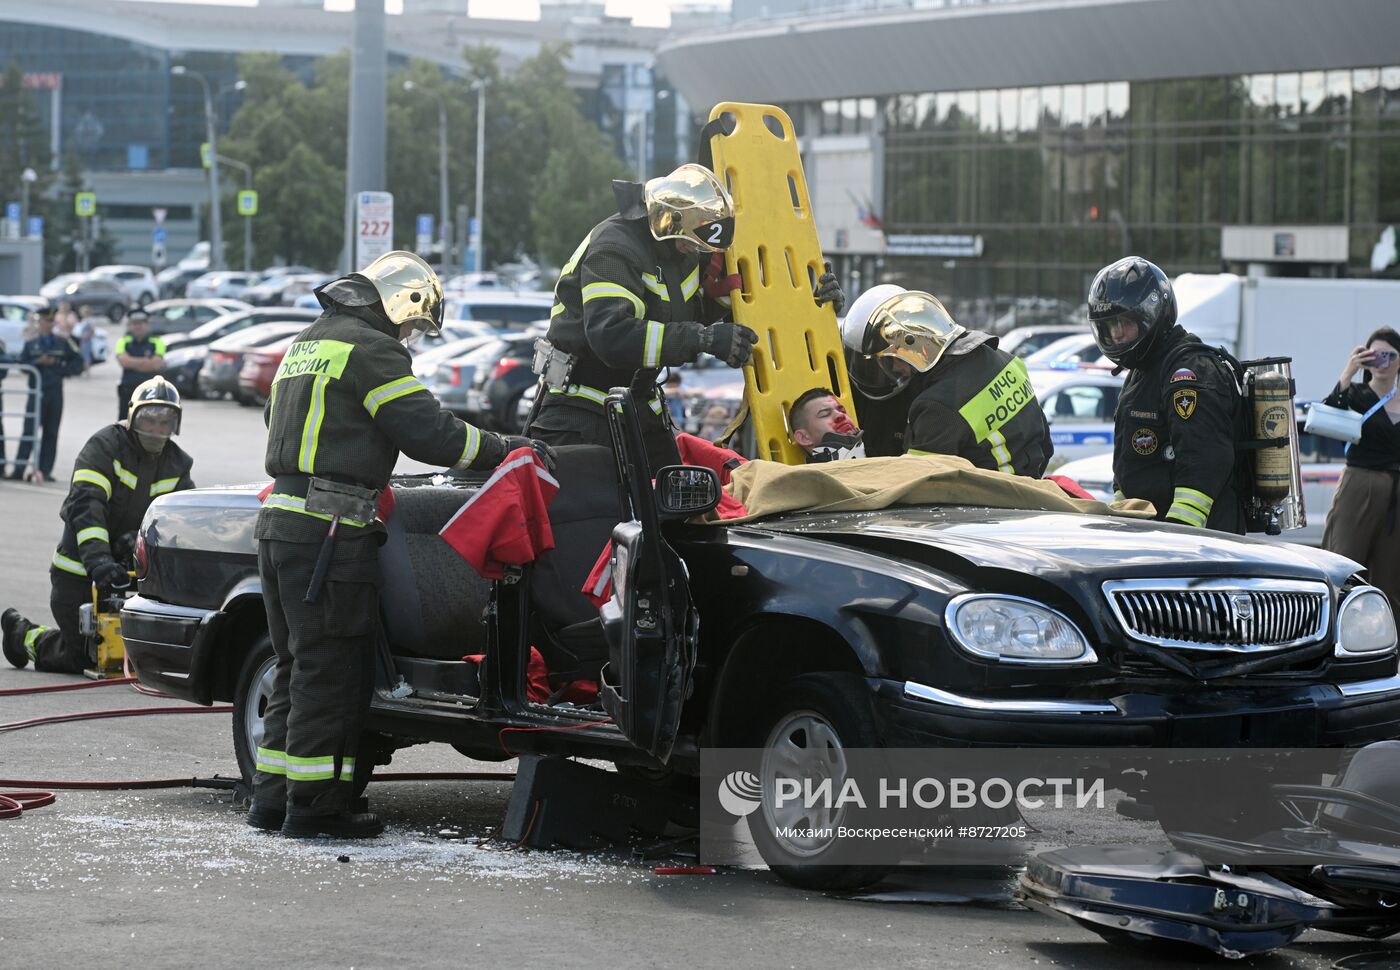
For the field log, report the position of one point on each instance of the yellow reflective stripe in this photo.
(347, 769)
(126, 477)
(655, 286)
(271, 762)
(1197, 500)
(1001, 453)
(391, 391)
(31, 641)
(93, 533)
(916, 451)
(93, 478)
(555, 310)
(69, 565)
(1186, 514)
(580, 390)
(1000, 401)
(294, 503)
(573, 260)
(470, 449)
(651, 348)
(159, 346)
(323, 358)
(310, 769)
(691, 283)
(1118, 495)
(311, 430)
(609, 291)
(164, 485)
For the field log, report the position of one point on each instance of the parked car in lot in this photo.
(138, 282)
(488, 311)
(224, 361)
(173, 280)
(283, 289)
(185, 356)
(259, 368)
(15, 327)
(459, 381)
(106, 298)
(1079, 403)
(927, 625)
(1024, 341)
(1076, 350)
(170, 317)
(223, 284)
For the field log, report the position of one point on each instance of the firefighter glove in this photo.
(542, 451)
(829, 290)
(108, 573)
(730, 342)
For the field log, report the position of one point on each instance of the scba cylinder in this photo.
(1273, 406)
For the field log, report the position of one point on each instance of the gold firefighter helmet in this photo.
(408, 288)
(889, 324)
(691, 203)
(154, 413)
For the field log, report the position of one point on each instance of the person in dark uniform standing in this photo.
(1178, 416)
(633, 299)
(140, 355)
(121, 470)
(344, 404)
(927, 385)
(56, 358)
(630, 300)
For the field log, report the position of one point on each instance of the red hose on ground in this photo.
(54, 688)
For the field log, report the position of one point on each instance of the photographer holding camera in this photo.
(1362, 523)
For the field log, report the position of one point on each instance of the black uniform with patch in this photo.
(624, 303)
(344, 403)
(1175, 432)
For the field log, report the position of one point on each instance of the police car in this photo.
(1079, 403)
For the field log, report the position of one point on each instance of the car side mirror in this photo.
(685, 490)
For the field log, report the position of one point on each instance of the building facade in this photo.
(1007, 195)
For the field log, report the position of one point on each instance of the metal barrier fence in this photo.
(19, 385)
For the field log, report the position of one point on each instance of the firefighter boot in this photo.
(269, 818)
(345, 825)
(14, 628)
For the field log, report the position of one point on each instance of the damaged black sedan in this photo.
(926, 624)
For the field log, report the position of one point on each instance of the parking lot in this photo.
(172, 877)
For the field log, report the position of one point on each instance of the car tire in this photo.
(831, 711)
(250, 698)
(115, 312)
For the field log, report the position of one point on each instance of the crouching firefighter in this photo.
(120, 471)
(629, 302)
(344, 403)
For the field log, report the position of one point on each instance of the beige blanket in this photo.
(769, 487)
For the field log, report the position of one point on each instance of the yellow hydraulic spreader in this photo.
(777, 255)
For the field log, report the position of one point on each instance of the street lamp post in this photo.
(479, 86)
(247, 171)
(27, 178)
(444, 227)
(216, 225)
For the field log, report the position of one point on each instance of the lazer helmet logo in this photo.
(1103, 308)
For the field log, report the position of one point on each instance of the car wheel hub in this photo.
(803, 746)
(255, 707)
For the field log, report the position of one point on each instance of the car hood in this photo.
(1052, 545)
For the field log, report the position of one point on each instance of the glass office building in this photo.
(1057, 181)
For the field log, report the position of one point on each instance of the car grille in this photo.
(1213, 614)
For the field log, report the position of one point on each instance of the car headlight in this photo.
(1015, 630)
(1365, 624)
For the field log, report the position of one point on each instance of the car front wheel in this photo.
(816, 719)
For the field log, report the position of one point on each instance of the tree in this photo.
(64, 229)
(23, 139)
(574, 192)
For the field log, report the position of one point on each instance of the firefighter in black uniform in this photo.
(629, 302)
(119, 472)
(344, 403)
(1178, 415)
(939, 388)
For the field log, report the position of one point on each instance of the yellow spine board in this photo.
(778, 256)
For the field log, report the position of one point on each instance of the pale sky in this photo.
(644, 13)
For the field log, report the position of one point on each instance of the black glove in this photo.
(829, 290)
(124, 546)
(542, 451)
(108, 573)
(730, 342)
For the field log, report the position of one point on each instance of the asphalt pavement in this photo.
(174, 878)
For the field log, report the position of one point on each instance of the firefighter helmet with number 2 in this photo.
(691, 204)
(154, 413)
